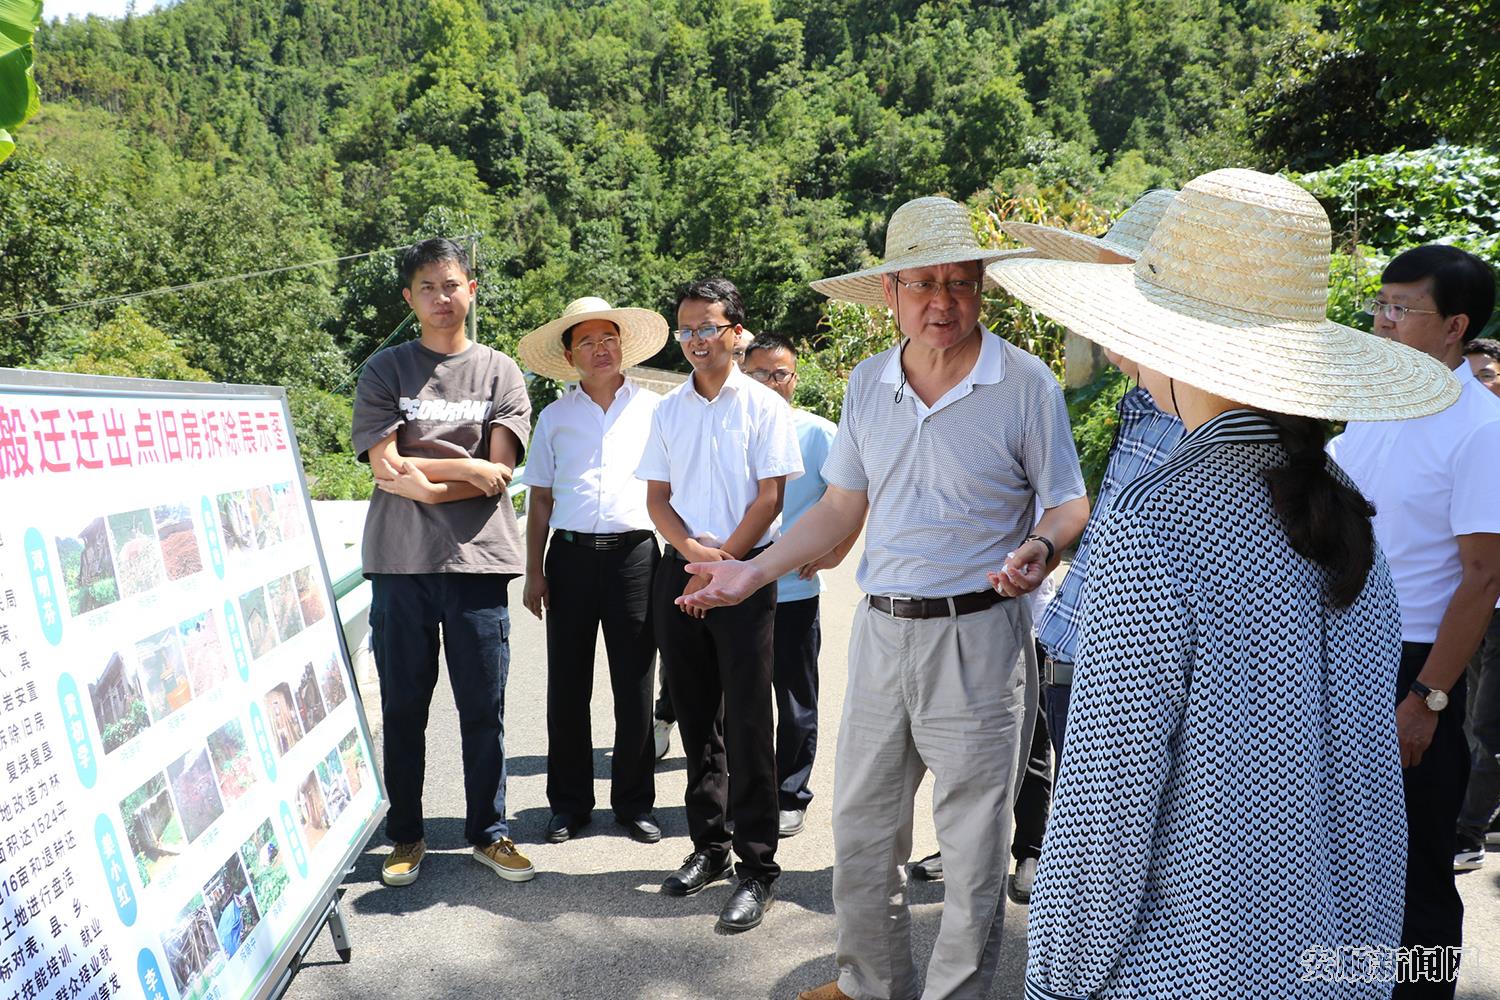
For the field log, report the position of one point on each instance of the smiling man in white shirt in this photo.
(598, 572)
(721, 449)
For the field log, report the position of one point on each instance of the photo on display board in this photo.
(331, 681)
(261, 853)
(286, 730)
(353, 756)
(196, 790)
(88, 568)
(231, 756)
(310, 708)
(263, 516)
(281, 595)
(289, 511)
(193, 951)
(137, 553)
(164, 676)
(258, 624)
(336, 793)
(179, 541)
(312, 811)
(153, 829)
(231, 905)
(119, 706)
(309, 595)
(235, 522)
(203, 651)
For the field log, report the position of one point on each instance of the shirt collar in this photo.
(1138, 401)
(1240, 426)
(988, 369)
(627, 389)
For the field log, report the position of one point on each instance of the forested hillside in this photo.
(618, 148)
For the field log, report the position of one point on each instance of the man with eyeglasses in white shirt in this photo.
(1433, 482)
(720, 451)
(599, 568)
(772, 361)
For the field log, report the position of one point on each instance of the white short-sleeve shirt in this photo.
(1431, 479)
(588, 455)
(714, 453)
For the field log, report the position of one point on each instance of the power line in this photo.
(206, 283)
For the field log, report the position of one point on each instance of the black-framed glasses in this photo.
(1394, 311)
(778, 375)
(963, 288)
(704, 332)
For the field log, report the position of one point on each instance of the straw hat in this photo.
(1126, 238)
(1231, 295)
(924, 232)
(642, 334)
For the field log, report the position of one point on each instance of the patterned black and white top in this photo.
(1230, 801)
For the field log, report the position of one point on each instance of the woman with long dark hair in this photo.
(1228, 821)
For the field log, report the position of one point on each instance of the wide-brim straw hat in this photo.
(642, 334)
(924, 232)
(1126, 238)
(1230, 295)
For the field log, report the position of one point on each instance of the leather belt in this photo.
(1056, 673)
(603, 543)
(936, 607)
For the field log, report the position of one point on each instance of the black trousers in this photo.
(589, 588)
(798, 638)
(718, 670)
(406, 613)
(1034, 800)
(1434, 795)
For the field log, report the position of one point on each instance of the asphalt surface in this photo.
(592, 923)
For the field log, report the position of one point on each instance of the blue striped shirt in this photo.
(1145, 438)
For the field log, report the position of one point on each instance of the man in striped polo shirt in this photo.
(947, 440)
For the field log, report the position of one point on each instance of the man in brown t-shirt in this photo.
(442, 422)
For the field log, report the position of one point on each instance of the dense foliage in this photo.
(620, 147)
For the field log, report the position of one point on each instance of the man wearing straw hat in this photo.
(947, 440)
(1433, 482)
(1241, 634)
(598, 571)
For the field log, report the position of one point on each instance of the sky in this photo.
(105, 8)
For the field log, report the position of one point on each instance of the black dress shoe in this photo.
(563, 826)
(642, 828)
(747, 906)
(698, 870)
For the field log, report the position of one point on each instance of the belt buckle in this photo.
(607, 541)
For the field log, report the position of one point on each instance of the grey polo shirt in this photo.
(952, 488)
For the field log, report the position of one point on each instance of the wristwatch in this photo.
(1436, 700)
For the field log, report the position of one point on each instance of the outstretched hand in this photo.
(729, 582)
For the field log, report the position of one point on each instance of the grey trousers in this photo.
(954, 696)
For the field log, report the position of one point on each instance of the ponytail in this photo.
(1325, 520)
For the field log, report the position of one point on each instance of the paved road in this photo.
(592, 924)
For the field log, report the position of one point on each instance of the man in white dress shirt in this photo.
(1433, 481)
(603, 554)
(721, 449)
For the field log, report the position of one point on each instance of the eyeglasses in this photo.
(778, 376)
(705, 332)
(964, 288)
(1394, 311)
(589, 345)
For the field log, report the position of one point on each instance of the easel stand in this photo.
(333, 918)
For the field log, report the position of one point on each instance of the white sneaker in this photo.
(789, 822)
(662, 731)
(1470, 855)
(1018, 887)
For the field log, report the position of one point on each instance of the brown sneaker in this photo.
(828, 991)
(507, 862)
(402, 864)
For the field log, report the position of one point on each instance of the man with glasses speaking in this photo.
(772, 361)
(948, 441)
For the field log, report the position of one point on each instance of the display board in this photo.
(187, 771)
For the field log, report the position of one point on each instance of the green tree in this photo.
(127, 346)
(18, 94)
